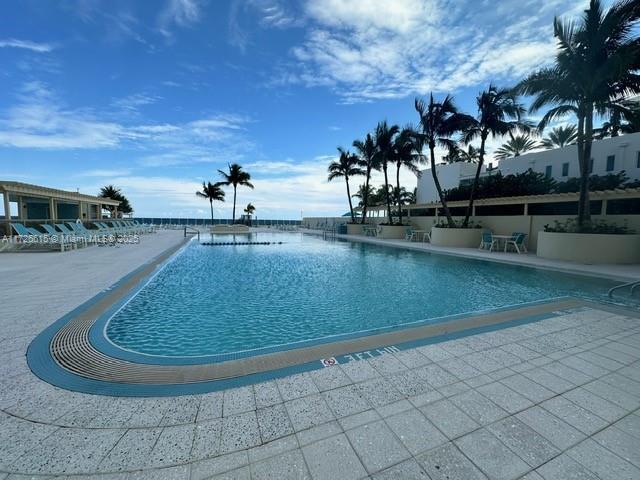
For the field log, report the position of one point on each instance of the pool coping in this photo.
(65, 355)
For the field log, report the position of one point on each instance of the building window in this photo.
(638, 160)
(591, 166)
(565, 169)
(548, 171)
(611, 163)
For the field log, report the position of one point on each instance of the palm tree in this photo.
(560, 137)
(595, 69)
(114, 193)
(499, 113)
(384, 136)
(366, 195)
(369, 160)
(438, 122)
(403, 196)
(249, 209)
(211, 191)
(346, 166)
(515, 146)
(615, 125)
(457, 153)
(235, 177)
(407, 152)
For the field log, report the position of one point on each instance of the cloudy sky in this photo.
(155, 96)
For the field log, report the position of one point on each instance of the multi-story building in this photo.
(610, 155)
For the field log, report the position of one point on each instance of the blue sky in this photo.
(155, 96)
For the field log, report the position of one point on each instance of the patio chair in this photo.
(410, 234)
(426, 237)
(36, 236)
(487, 241)
(517, 242)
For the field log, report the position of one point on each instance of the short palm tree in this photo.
(515, 146)
(384, 136)
(369, 161)
(595, 69)
(346, 166)
(236, 176)
(560, 137)
(499, 113)
(365, 195)
(615, 125)
(457, 153)
(211, 191)
(407, 153)
(439, 121)
(249, 209)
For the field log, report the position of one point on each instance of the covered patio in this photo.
(33, 205)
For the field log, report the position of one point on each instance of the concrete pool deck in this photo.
(533, 401)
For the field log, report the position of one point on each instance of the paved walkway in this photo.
(549, 399)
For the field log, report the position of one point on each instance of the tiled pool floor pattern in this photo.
(558, 398)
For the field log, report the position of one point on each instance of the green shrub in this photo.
(595, 226)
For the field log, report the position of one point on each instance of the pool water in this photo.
(212, 300)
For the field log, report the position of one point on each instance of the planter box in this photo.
(456, 237)
(392, 231)
(589, 248)
(355, 229)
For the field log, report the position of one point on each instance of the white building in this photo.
(610, 155)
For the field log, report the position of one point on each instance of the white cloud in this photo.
(132, 103)
(27, 45)
(181, 13)
(376, 49)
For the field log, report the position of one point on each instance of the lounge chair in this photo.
(38, 237)
(517, 242)
(487, 241)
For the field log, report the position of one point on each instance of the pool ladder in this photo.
(633, 285)
(329, 232)
(191, 231)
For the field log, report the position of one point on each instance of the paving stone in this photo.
(425, 398)
(169, 473)
(491, 455)
(296, 386)
(452, 421)
(479, 408)
(329, 378)
(359, 371)
(584, 366)
(410, 384)
(394, 408)
(565, 468)
(576, 416)
(238, 400)
(571, 374)
(218, 465)
(287, 466)
(549, 380)
(273, 422)
(239, 432)
(460, 368)
(346, 401)
(379, 392)
(529, 445)
(377, 446)
(623, 444)
(447, 463)
(412, 358)
(173, 446)
(613, 394)
(436, 376)
(407, 470)
(308, 412)
(271, 449)
(320, 432)
(416, 432)
(595, 404)
(504, 397)
(210, 406)
(558, 432)
(243, 473)
(527, 388)
(266, 394)
(333, 458)
(602, 462)
(630, 425)
(387, 364)
(182, 410)
(207, 438)
(358, 419)
(435, 352)
(132, 450)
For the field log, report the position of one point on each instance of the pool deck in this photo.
(556, 398)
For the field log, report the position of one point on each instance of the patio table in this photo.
(503, 239)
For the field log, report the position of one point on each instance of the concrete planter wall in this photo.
(456, 237)
(355, 229)
(589, 248)
(392, 231)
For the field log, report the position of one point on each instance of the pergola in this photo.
(34, 204)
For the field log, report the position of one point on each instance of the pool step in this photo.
(240, 243)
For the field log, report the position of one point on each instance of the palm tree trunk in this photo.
(365, 200)
(233, 218)
(346, 179)
(211, 203)
(584, 206)
(398, 194)
(476, 180)
(386, 192)
(436, 181)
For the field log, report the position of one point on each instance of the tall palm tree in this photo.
(515, 146)
(499, 113)
(369, 161)
(211, 191)
(384, 136)
(595, 69)
(236, 176)
(560, 137)
(346, 166)
(438, 122)
(407, 153)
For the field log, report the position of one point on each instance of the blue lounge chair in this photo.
(35, 236)
(487, 241)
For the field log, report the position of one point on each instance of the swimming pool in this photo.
(213, 300)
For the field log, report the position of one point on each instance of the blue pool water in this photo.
(221, 299)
